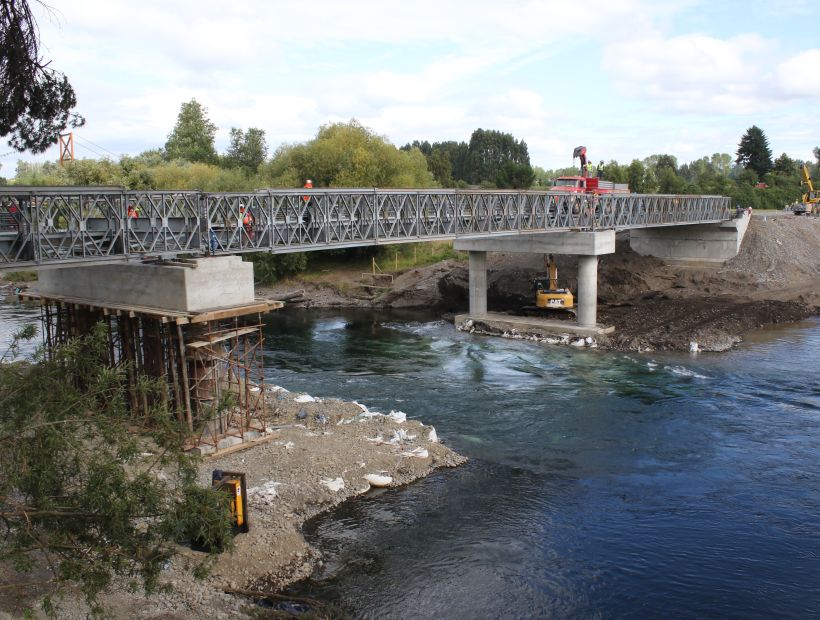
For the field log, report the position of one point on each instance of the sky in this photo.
(627, 79)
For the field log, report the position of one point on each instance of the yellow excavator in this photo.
(811, 199)
(548, 296)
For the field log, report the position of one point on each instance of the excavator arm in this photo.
(807, 178)
(581, 152)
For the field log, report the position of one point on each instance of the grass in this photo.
(21, 276)
(388, 259)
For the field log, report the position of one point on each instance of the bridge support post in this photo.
(478, 283)
(587, 291)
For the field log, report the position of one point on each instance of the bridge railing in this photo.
(65, 224)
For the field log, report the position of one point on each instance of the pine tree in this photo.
(754, 152)
(37, 100)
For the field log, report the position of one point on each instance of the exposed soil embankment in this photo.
(774, 279)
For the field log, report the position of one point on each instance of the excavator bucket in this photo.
(580, 151)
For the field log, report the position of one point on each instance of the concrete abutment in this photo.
(693, 243)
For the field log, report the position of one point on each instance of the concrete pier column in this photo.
(478, 283)
(587, 290)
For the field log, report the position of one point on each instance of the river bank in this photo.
(774, 279)
(318, 453)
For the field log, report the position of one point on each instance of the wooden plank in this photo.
(198, 344)
(227, 313)
(131, 310)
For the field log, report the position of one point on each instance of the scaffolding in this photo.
(209, 365)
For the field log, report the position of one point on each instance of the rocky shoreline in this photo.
(317, 453)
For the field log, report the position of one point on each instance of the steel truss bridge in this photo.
(61, 225)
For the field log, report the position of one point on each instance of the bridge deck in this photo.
(40, 226)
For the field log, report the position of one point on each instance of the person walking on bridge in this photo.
(306, 200)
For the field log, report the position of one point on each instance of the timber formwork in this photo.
(208, 364)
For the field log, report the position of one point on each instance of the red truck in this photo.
(586, 183)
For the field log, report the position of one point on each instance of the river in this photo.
(600, 484)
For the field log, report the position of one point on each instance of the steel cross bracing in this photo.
(67, 224)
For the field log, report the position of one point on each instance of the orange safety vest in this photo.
(308, 185)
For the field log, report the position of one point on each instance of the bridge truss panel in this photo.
(52, 225)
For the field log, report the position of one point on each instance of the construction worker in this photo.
(247, 220)
(306, 199)
(133, 211)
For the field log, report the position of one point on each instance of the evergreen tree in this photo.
(37, 100)
(754, 152)
(193, 136)
(490, 150)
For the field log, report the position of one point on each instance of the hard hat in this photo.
(308, 182)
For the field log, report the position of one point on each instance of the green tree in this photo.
(37, 100)
(347, 155)
(247, 150)
(514, 176)
(439, 164)
(669, 182)
(192, 138)
(490, 150)
(721, 163)
(785, 165)
(88, 491)
(458, 153)
(639, 181)
(754, 152)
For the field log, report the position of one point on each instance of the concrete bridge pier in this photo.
(587, 291)
(587, 245)
(478, 283)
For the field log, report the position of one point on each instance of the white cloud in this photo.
(799, 76)
(693, 72)
(552, 73)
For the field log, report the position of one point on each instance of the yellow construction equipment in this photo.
(811, 199)
(547, 294)
(233, 484)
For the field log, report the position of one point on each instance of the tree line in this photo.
(352, 155)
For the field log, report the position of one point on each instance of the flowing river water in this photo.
(600, 484)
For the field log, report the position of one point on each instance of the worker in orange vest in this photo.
(306, 217)
(247, 220)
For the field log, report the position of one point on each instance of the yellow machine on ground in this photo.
(547, 294)
(233, 484)
(811, 199)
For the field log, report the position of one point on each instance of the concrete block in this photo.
(583, 243)
(691, 244)
(213, 282)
